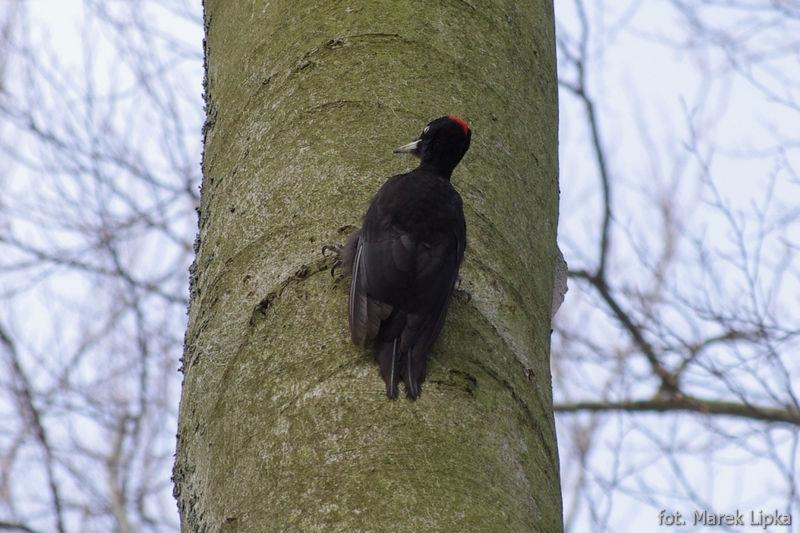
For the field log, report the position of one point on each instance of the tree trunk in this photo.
(283, 423)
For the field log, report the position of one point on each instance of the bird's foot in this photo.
(336, 251)
(462, 294)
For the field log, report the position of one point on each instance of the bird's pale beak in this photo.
(410, 148)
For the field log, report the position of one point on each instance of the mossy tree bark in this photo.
(283, 423)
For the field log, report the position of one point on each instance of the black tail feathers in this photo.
(387, 354)
(397, 366)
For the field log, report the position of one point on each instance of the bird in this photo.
(405, 258)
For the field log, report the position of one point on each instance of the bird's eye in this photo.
(426, 130)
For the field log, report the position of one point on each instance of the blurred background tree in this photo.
(674, 355)
(674, 359)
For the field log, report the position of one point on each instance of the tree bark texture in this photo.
(284, 425)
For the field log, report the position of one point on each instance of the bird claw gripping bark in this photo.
(336, 250)
(462, 294)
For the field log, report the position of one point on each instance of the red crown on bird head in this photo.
(461, 122)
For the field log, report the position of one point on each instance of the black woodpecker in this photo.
(404, 260)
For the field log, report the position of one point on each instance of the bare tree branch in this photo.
(24, 395)
(788, 414)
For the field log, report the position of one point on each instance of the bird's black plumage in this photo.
(404, 260)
